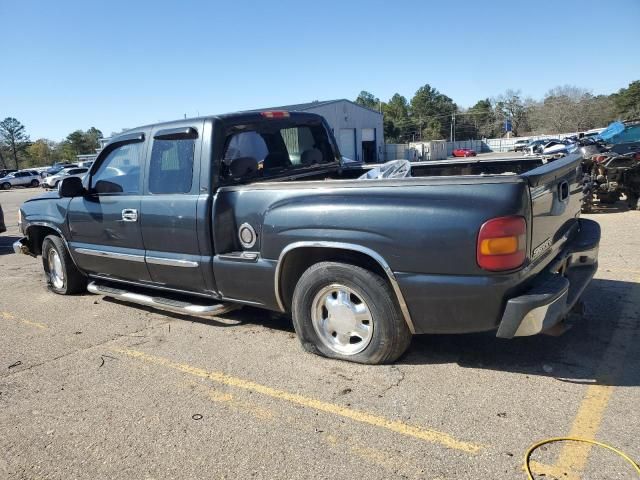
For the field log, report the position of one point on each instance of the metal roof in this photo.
(301, 107)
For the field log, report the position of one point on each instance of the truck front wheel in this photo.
(63, 277)
(349, 313)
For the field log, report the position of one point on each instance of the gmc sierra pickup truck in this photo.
(257, 208)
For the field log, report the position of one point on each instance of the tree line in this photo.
(18, 151)
(432, 115)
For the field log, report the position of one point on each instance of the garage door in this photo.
(347, 142)
(368, 134)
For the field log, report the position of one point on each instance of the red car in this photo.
(464, 152)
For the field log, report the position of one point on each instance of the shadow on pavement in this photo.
(573, 357)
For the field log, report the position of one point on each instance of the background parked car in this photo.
(57, 168)
(535, 147)
(24, 178)
(6, 171)
(464, 152)
(520, 145)
(52, 181)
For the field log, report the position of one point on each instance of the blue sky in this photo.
(70, 65)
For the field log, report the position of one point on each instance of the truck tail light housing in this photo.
(275, 114)
(502, 243)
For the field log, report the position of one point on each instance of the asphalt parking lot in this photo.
(97, 389)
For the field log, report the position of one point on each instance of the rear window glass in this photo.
(278, 151)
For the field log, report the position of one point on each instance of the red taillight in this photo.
(275, 114)
(502, 243)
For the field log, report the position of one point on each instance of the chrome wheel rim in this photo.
(56, 272)
(342, 319)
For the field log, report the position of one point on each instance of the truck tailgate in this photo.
(556, 195)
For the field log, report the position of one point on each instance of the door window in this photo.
(120, 171)
(171, 166)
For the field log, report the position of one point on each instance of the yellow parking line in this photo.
(396, 426)
(574, 456)
(9, 316)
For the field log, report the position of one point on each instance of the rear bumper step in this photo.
(162, 303)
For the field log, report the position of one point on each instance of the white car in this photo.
(23, 178)
(52, 181)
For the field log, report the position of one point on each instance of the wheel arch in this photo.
(36, 232)
(299, 256)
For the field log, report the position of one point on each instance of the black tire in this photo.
(34, 183)
(391, 336)
(74, 281)
(55, 185)
(5, 186)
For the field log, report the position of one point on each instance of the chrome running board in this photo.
(162, 303)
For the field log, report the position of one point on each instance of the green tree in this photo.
(80, 142)
(396, 117)
(483, 118)
(511, 106)
(432, 130)
(368, 100)
(627, 101)
(42, 152)
(428, 107)
(14, 137)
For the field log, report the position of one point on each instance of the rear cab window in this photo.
(280, 147)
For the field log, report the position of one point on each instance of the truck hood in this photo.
(45, 196)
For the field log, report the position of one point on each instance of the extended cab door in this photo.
(170, 218)
(105, 223)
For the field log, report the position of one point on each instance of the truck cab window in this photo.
(298, 141)
(281, 150)
(171, 166)
(246, 144)
(120, 171)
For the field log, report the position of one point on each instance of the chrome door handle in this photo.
(130, 215)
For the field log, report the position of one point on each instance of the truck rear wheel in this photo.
(63, 277)
(346, 312)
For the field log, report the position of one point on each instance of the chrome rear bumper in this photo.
(557, 289)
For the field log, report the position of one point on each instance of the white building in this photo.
(358, 130)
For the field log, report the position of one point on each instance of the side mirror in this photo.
(243, 168)
(70, 187)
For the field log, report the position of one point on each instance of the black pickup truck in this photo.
(203, 215)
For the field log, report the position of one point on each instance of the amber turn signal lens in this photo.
(499, 246)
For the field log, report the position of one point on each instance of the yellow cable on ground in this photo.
(571, 439)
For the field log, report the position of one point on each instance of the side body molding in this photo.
(345, 246)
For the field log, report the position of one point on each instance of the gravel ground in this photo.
(97, 389)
